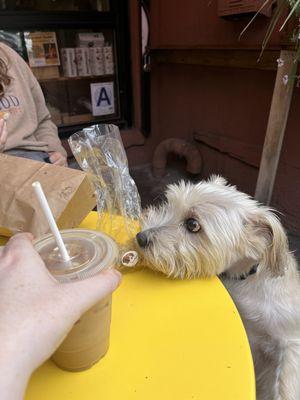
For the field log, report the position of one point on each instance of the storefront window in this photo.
(76, 70)
(79, 54)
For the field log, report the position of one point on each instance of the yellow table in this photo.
(170, 339)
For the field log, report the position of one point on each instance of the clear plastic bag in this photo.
(99, 151)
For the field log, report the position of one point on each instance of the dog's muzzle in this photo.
(143, 239)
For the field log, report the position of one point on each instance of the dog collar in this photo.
(252, 271)
(242, 277)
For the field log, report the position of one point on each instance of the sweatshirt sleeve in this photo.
(46, 130)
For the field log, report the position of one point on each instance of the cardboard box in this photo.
(96, 59)
(68, 60)
(82, 61)
(109, 68)
(92, 39)
(108, 60)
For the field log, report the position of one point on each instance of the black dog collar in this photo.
(242, 277)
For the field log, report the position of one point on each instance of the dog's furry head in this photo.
(208, 228)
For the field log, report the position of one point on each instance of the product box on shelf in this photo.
(82, 61)
(68, 59)
(96, 59)
(108, 60)
(92, 39)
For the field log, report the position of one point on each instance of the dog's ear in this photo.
(271, 233)
(217, 179)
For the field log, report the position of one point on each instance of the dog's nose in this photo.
(142, 239)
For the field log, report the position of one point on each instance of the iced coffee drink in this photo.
(90, 252)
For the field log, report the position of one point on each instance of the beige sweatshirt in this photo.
(29, 125)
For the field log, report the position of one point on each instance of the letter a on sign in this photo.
(103, 98)
(103, 101)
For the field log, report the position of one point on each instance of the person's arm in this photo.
(47, 131)
(14, 376)
(36, 312)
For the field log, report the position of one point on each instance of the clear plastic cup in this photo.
(91, 252)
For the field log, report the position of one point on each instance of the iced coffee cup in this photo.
(90, 253)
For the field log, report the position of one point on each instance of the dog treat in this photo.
(130, 258)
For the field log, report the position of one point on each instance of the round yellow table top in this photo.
(170, 339)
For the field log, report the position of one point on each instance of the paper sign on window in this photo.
(103, 100)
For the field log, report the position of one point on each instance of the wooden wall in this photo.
(195, 23)
(226, 107)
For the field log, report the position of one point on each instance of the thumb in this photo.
(88, 292)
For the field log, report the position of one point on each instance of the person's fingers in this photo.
(29, 235)
(20, 239)
(18, 243)
(57, 158)
(60, 162)
(54, 157)
(20, 246)
(3, 131)
(91, 290)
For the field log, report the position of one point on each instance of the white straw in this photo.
(51, 221)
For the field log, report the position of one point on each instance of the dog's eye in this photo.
(192, 225)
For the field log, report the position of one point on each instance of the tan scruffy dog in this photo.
(213, 229)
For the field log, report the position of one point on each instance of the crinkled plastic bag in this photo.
(99, 151)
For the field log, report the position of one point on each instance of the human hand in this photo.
(57, 158)
(36, 312)
(3, 131)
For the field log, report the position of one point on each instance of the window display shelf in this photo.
(74, 49)
(76, 78)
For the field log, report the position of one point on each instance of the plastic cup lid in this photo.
(90, 253)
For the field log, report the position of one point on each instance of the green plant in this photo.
(284, 9)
